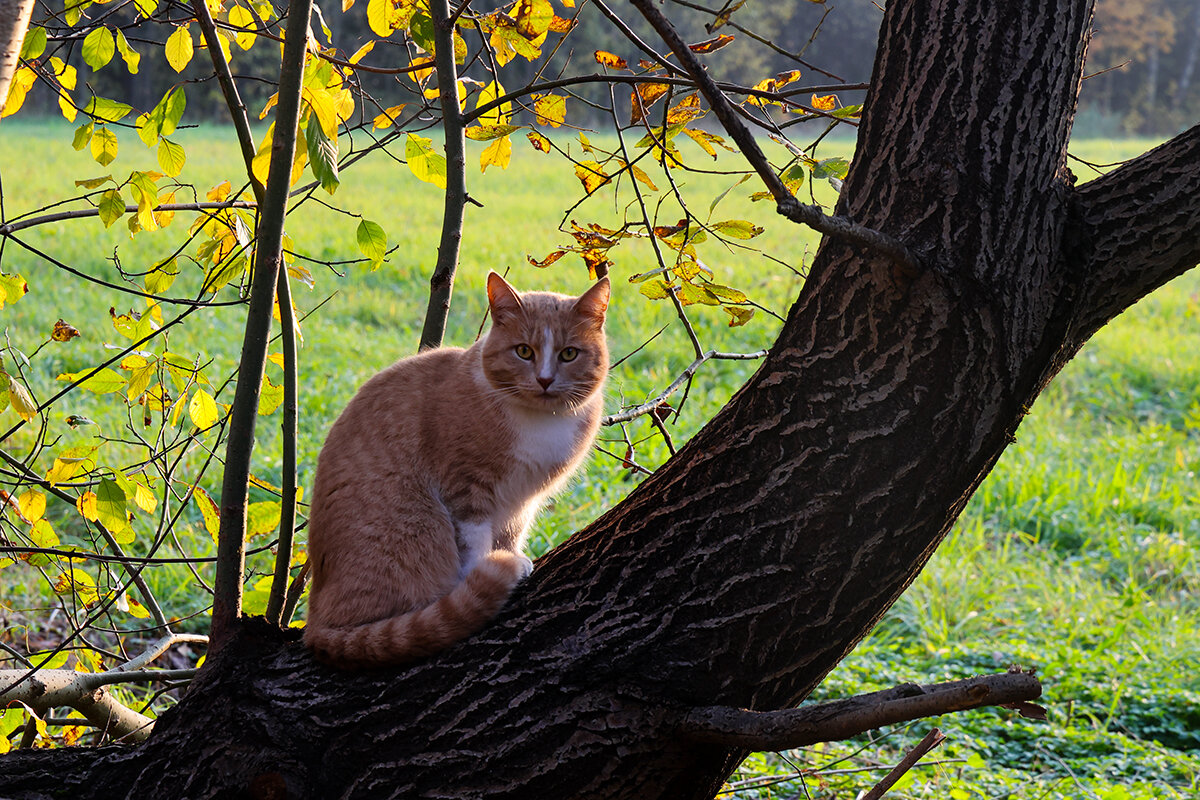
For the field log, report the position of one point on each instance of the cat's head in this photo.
(546, 351)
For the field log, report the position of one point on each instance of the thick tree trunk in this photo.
(747, 567)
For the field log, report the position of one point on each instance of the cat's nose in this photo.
(545, 381)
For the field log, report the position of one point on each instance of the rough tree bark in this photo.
(748, 566)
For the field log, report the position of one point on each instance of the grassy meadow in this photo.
(1079, 556)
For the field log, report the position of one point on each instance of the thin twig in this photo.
(931, 740)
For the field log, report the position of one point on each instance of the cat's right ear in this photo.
(502, 298)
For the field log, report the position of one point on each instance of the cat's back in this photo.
(424, 404)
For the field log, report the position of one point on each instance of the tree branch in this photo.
(227, 597)
(786, 204)
(783, 730)
(441, 284)
(1136, 229)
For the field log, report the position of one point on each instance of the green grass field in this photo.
(1078, 556)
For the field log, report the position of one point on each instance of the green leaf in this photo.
(104, 146)
(93, 183)
(424, 162)
(112, 206)
(163, 118)
(103, 382)
(262, 518)
(34, 44)
(831, 168)
(159, 279)
(737, 228)
(171, 157)
(421, 31)
(179, 48)
(656, 289)
(270, 397)
(372, 241)
(104, 110)
(41, 534)
(83, 135)
(131, 57)
(98, 48)
(322, 156)
(111, 503)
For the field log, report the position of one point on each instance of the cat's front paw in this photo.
(526, 566)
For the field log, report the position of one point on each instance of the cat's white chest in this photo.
(547, 442)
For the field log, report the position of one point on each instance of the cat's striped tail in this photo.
(450, 618)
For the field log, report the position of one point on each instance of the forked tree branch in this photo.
(827, 722)
(786, 203)
(931, 740)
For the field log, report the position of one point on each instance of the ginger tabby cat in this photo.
(428, 481)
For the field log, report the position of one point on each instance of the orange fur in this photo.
(429, 479)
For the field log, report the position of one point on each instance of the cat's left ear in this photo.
(502, 298)
(594, 302)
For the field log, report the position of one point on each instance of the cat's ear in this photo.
(502, 298)
(594, 302)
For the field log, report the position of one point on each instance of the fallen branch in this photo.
(841, 719)
(86, 692)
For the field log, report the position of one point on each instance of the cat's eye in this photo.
(568, 354)
(524, 351)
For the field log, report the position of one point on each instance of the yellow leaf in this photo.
(144, 496)
(208, 509)
(242, 19)
(203, 410)
(31, 505)
(20, 400)
(538, 141)
(86, 505)
(591, 174)
(179, 48)
(551, 109)
(642, 97)
(611, 60)
(21, 83)
(499, 115)
(219, 193)
(388, 117)
(826, 103)
(137, 610)
(498, 152)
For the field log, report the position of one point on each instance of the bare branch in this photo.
(841, 719)
(684, 377)
(787, 204)
(931, 740)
